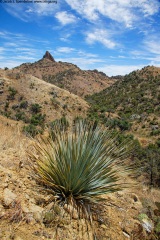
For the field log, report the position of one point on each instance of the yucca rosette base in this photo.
(80, 166)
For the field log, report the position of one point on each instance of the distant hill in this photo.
(67, 76)
(132, 103)
(36, 103)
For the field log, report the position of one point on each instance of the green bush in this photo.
(24, 104)
(35, 108)
(20, 116)
(148, 161)
(120, 123)
(6, 106)
(12, 93)
(155, 132)
(78, 167)
(7, 114)
(157, 229)
(30, 130)
(38, 119)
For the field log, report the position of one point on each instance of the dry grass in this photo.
(15, 213)
(12, 144)
(55, 102)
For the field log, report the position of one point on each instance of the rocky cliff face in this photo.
(48, 56)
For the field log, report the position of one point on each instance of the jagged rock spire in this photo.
(48, 56)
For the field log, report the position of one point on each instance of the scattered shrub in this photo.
(7, 114)
(147, 160)
(15, 106)
(157, 229)
(24, 104)
(6, 105)
(30, 130)
(38, 119)
(155, 132)
(20, 116)
(12, 93)
(35, 108)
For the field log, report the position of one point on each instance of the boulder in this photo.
(8, 197)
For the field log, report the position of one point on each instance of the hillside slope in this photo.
(134, 99)
(33, 101)
(67, 76)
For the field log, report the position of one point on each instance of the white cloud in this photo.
(126, 12)
(10, 44)
(149, 47)
(27, 12)
(18, 11)
(101, 36)
(2, 34)
(65, 37)
(10, 63)
(86, 54)
(25, 58)
(149, 50)
(148, 7)
(65, 18)
(122, 11)
(44, 9)
(112, 70)
(2, 49)
(152, 45)
(81, 58)
(64, 50)
(82, 62)
(18, 48)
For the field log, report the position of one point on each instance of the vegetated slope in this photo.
(67, 76)
(131, 103)
(35, 102)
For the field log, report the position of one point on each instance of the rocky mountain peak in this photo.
(47, 55)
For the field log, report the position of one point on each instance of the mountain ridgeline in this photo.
(67, 75)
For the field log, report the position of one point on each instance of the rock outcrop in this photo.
(48, 56)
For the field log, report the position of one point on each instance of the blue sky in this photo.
(113, 36)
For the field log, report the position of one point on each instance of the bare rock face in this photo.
(48, 56)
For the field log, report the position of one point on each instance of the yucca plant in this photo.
(80, 166)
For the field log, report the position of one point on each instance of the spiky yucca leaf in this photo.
(80, 166)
